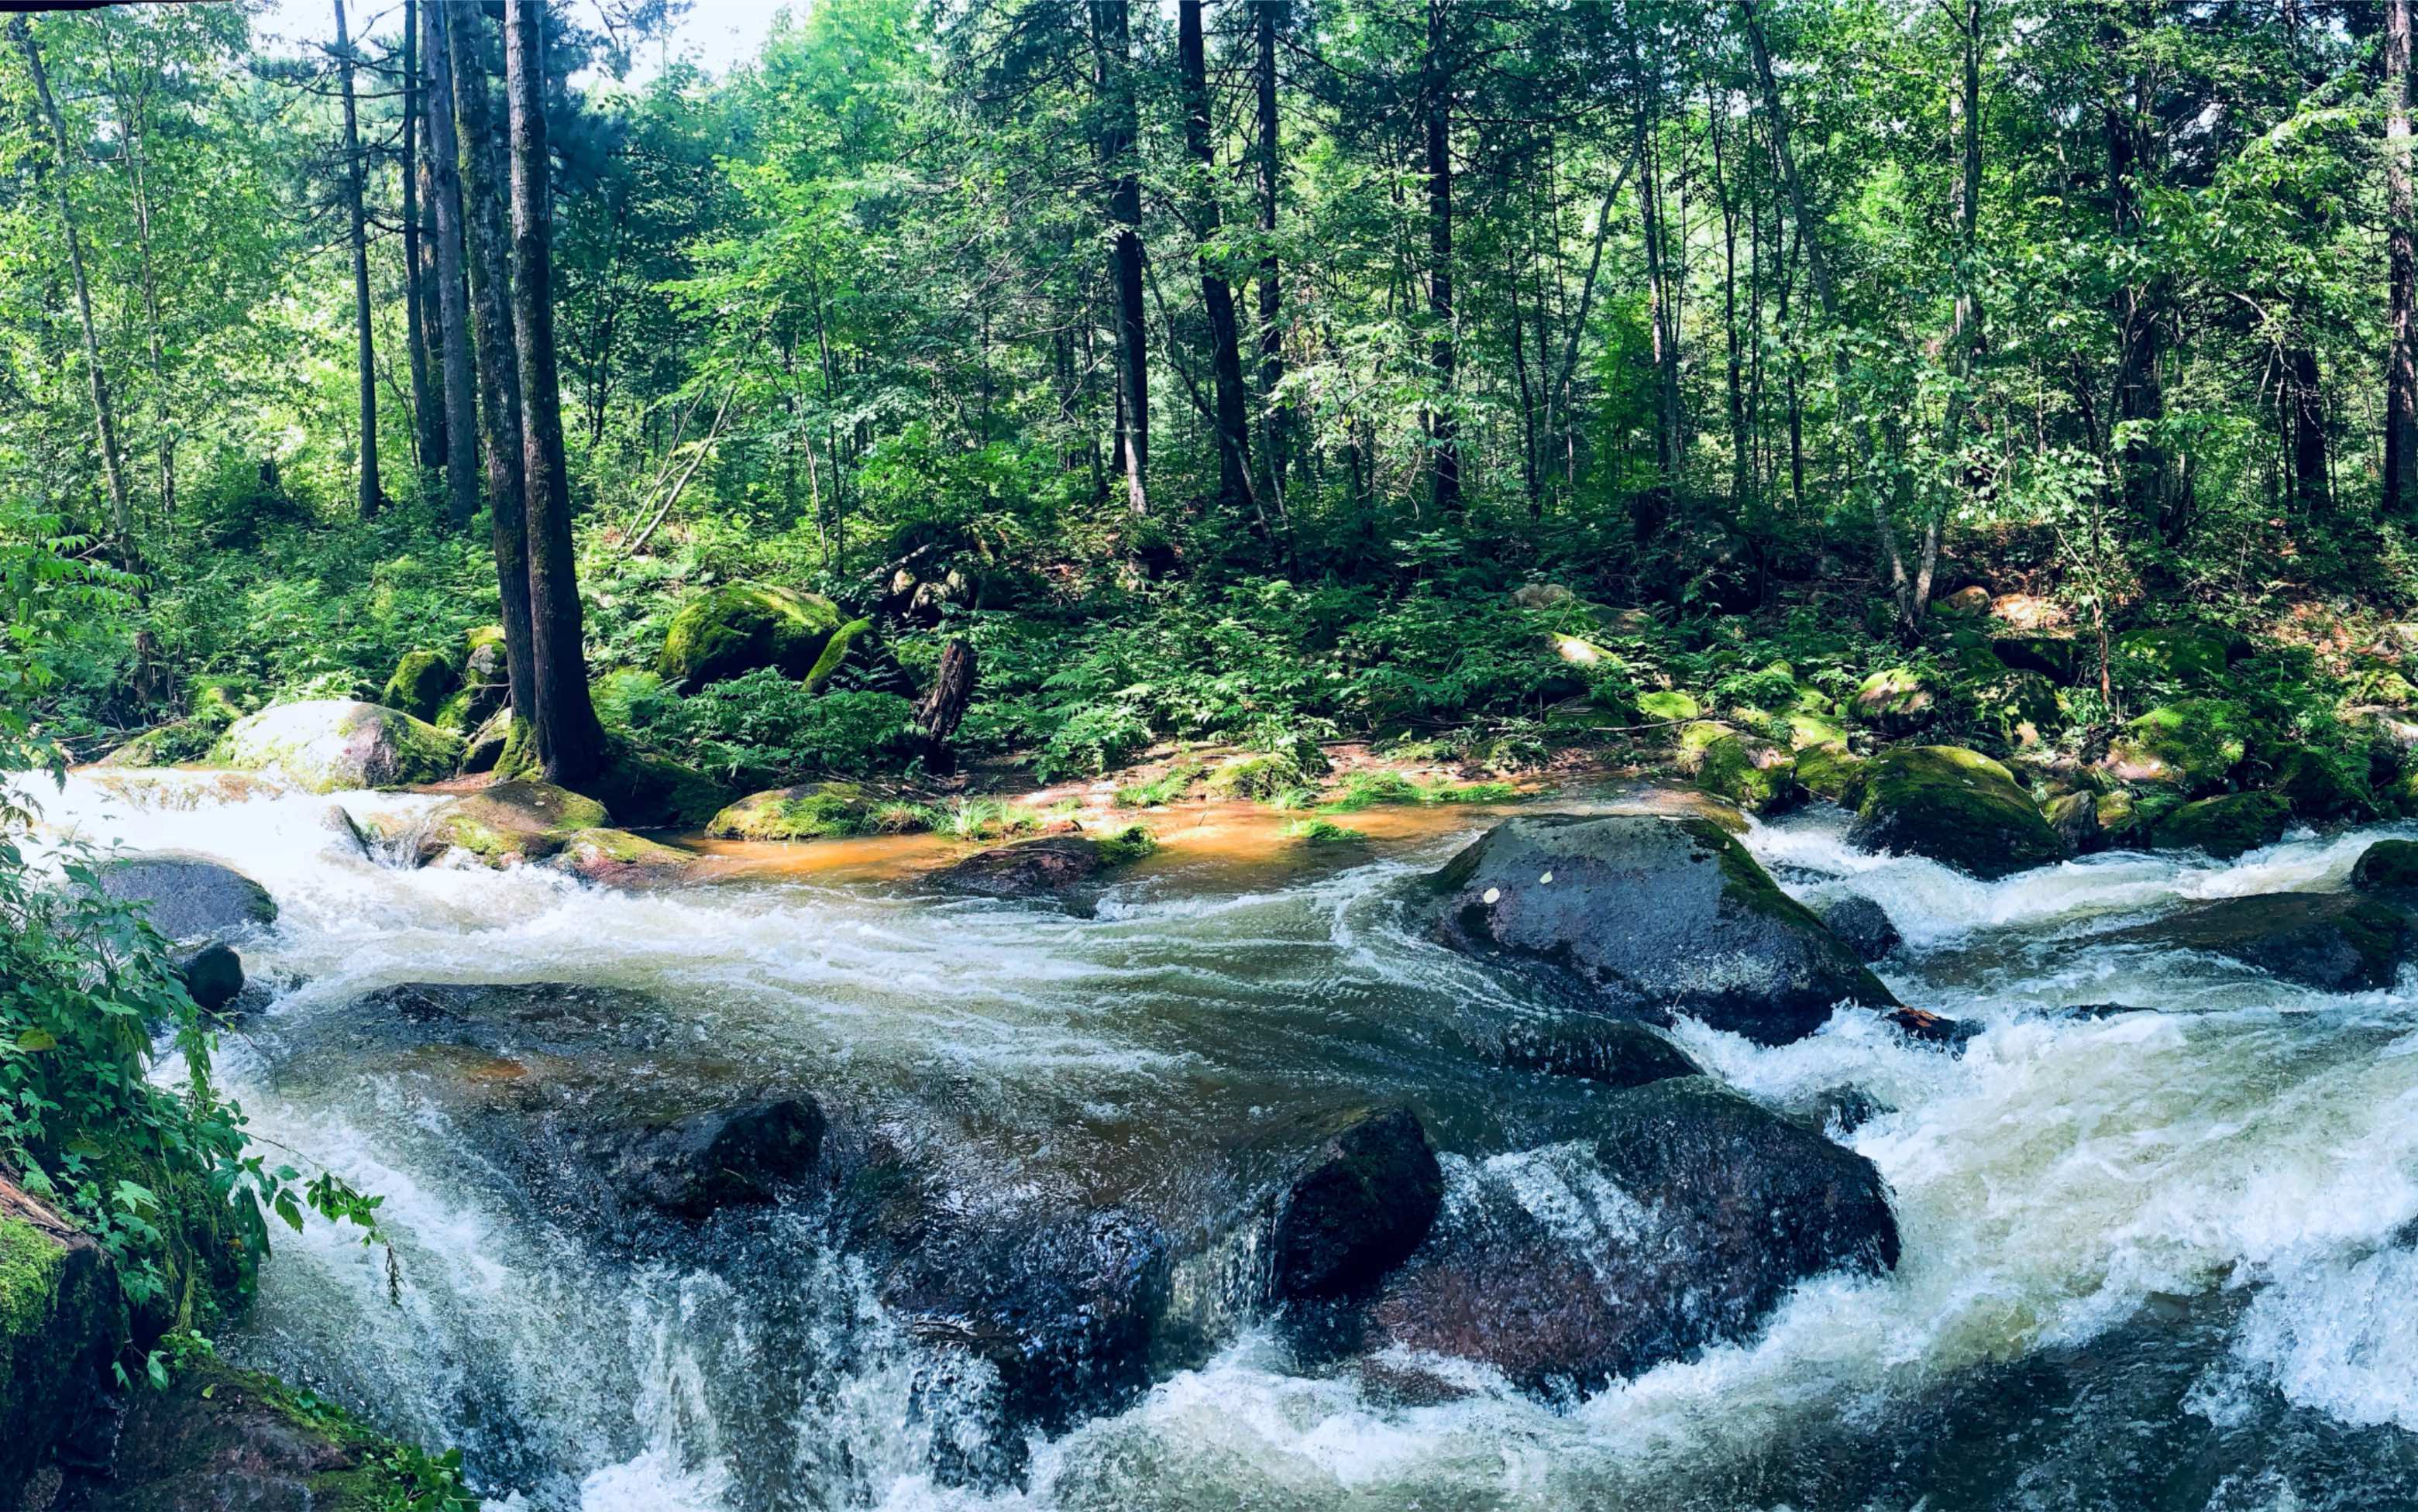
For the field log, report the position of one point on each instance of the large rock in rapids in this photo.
(2387, 867)
(511, 822)
(2331, 941)
(1862, 924)
(743, 626)
(189, 897)
(691, 1166)
(1716, 1207)
(1051, 864)
(1616, 1052)
(328, 745)
(2223, 827)
(1955, 806)
(1360, 1207)
(1656, 916)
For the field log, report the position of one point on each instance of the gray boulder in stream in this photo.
(1361, 1205)
(1654, 916)
(1716, 1207)
(2331, 941)
(189, 897)
(691, 1166)
(1045, 867)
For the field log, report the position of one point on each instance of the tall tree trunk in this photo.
(1818, 273)
(1113, 39)
(1217, 295)
(135, 105)
(453, 298)
(2139, 311)
(1444, 433)
(498, 364)
(1277, 418)
(1654, 508)
(2401, 216)
(1965, 333)
(570, 741)
(365, 359)
(104, 419)
(427, 419)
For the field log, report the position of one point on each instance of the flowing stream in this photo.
(2155, 1260)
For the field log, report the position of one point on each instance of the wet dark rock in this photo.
(1955, 806)
(1721, 1207)
(1923, 1025)
(1617, 1052)
(2051, 656)
(2331, 941)
(1051, 864)
(212, 975)
(726, 1157)
(189, 897)
(1839, 1111)
(2225, 826)
(2387, 867)
(1861, 922)
(1653, 916)
(2092, 1012)
(338, 821)
(60, 1323)
(1363, 1204)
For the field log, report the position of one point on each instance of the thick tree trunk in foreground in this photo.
(424, 414)
(1216, 294)
(365, 359)
(452, 303)
(121, 513)
(2401, 219)
(570, 741)
(498, 365)
(1117, 133)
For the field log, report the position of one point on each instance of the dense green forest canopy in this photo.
(1215, 371)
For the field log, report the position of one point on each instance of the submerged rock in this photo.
(330, 744)
(1051, 864)
(2331, 941)
(1862, 924)
(213, 975)
(1617, 1052)
(694, 1165)
(1654, 916)
(741, 627)
(2223, 827)
(1362, 1205)
(1685, 1223)
(1955, 806)
(189, 897)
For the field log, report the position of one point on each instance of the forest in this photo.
(1955, 460)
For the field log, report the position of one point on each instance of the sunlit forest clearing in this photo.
(1219, 754)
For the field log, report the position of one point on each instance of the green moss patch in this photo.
(741, 627)
(2225, 826)
(814, 811)
(1955, 806)
(2192, 745)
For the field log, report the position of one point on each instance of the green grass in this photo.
(1321, 832)
(1167, 788)
(1371, 789)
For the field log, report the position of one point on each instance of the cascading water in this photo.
(2155, 1259)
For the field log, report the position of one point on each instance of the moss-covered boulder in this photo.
(1806, 729)
(619, 859)
(1669, 706)
(1897, 701)
(2331, 941)
(2191, 745)
(1970, 602)
(1697, 737)
(2324, 787)
(61, 1321)
(330, 745)
(2190, 654)
(1652, 916)
(1828, 770)
(421, 683)
(165, 745)
(1955, 806)
(1052, 864)
(2387, 867)
(2054, 657)
(743, 626)
(2021, 708)
(2225, 826)
(647, 791)
(2074, 816)
(1759, 776)
(813, 811)
(485, 745)
(510, 823)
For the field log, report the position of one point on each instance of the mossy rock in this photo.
(218, 701)
(1896, 701)
(511, 822)
(62, 1319)
(186, 740)
(2191, 745)
(2387, 867)
(648, 791)
(1955, 806)
(2057, 658)
(814, 811)
(2323, 787)
(2225, 826)
(621, 859)
(2074, 816)
(2022, 708)
(485, 745)
(1758, 776)
(1582, 654)
(2188, 654)
(1695, 740)
(1974, 653)
(2377, 683)
(1828, 770)
(1806, 729)
(847, 638)
(743, 626)
(330, 746)
(421, 683)
(1668, 706)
